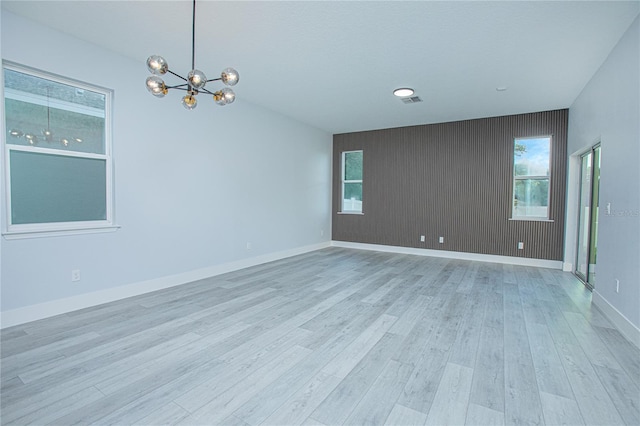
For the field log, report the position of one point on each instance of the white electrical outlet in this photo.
(520, 245)
(75, 275)
(422, 238)
(322, 232)
(248, 246)
(441, 240)
(617, 285)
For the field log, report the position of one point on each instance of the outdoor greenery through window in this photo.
(531, 177)
(352, 182)
(57, 152)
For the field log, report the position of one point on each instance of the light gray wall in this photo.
(191, 188)
(608, 111)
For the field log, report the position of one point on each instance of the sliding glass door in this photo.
(588, 217)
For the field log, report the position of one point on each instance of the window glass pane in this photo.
(353, 165)
(352, 197)
(49, 188)
(531, 157)
(531, 197)
(49, 114)
(584, 217)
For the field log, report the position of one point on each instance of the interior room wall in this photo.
(192, 188)
(607, 111)
(452, 180)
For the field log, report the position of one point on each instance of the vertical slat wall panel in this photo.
(452, 180)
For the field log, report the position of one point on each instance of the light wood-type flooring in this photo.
(336, 336)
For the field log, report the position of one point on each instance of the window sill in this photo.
(531, 219)
(19, 235)
(354, 213)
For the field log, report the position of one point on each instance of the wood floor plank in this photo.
(624, 351)
(467, 280)
(113, 405)
(226, 403)
(10, 333)
(235, 370)
(625, 394)
(163, 393)
(304, 401)
(494, 311)
(522, 402)
(412, 314)
(169, 414)
(478, 415)
(341, 401)
(452, 397)
(47, 413)
(421, 387)
(310, 421)
(465, 347)
(560, 411)
(414, 341)
(595, 349)
(487, 388)
(404, 416)
(100, 355)
(398, 300)
(10, 385)
(550, 374)
(593, 400)
(342, 365)
(268, 400)
(192, 343)
(377, 403)
(56, 387)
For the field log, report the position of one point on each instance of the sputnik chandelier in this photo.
(195, 80)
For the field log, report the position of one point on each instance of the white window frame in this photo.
(31, 230)
(344, 181)
(531, 177)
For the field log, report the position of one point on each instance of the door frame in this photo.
(592, 210)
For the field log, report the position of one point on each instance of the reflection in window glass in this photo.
(352, 182)
(48, 114)
(531, 173)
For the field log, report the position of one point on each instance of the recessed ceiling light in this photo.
(402, 92)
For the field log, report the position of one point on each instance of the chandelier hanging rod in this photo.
(195, 80)
(193, 37)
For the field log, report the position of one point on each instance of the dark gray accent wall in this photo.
(453, 180)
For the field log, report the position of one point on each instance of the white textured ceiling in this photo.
(334, 65)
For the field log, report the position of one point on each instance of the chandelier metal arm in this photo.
(177, 75)
(202, 89)
(179, 87)
(185, 87)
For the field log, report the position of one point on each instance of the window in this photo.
(57, 153)
(352, 182)
(531, 164)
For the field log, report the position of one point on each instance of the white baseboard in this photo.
(508, 260)
(61, 306)
(626, 327)
(567, 267)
